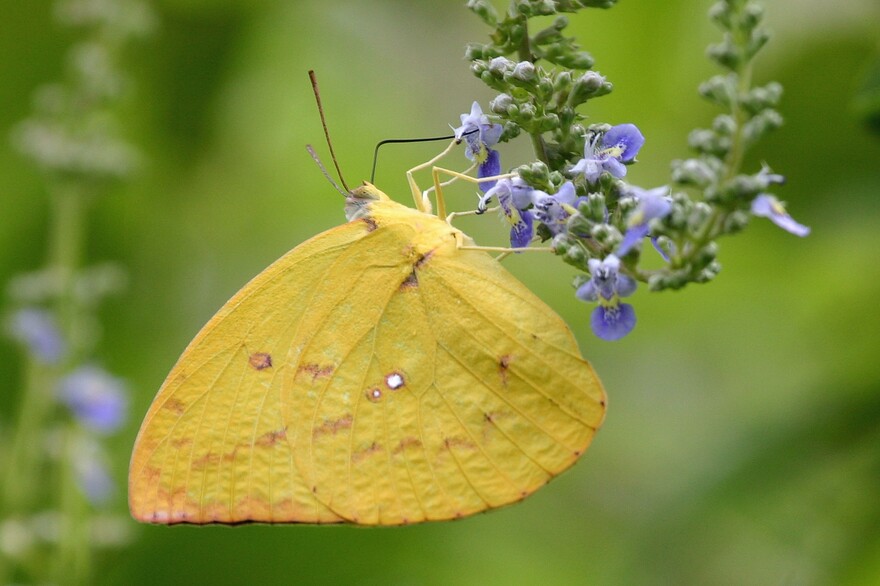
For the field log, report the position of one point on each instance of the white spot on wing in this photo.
(394, 381)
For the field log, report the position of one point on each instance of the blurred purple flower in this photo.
(767, 206)
(91, 472)
(652, 203)
(97, 399)
(38, 331)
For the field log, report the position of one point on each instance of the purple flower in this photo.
(37, 330)
(652, 203)
(97, 399)
(554, 210)
(89, 466)
(767, 206)
(611, 320)
(619, 145)
(514, 196)
(479, 135)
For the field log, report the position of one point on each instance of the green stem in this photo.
(738, 148)
(73, 561)
(70, 203)
(524, 53)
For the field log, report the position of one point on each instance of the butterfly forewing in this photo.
(377, 374)
(214, 446)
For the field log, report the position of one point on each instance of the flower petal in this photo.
(587, 291)
(613, 322)
(767, 206)
(488, 168)
(96, 398)
(632, 237)
(37, 329)
(625, 137)
(521, 231)
(614, 167)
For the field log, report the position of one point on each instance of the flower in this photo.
(554, 210)
(611, 320)
(97, 399)
(620, 144)
(37, 330)
(89, 466)
(767, 206)
(652, 203)
(480, 135)
(514, 196)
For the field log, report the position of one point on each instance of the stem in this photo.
(72, 563)
(524, 53)
(66, 243)
(26, 453)
(738, 150)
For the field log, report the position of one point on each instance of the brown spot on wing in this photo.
(316, 370)
(176, 405)
(260, 360)
(458, 442)
(332, 426)
(424, 258)
(371, 223)
(503, 365)
(490, 423)
(181, 443)
(270, 438)
(405, 443)
(359, 455)
(411, 281)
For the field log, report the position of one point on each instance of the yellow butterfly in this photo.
(384, 372)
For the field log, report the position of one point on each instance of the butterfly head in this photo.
(359, 198)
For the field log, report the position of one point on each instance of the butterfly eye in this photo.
(394, 381)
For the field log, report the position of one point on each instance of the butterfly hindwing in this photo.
(376, 374)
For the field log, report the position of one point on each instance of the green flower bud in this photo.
(761, 124)
(724, 124)
(485, 10)
(696, 172)
(562, 83)
(720, 89)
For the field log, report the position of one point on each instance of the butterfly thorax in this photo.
(429, 234)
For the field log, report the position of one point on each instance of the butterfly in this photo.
(384, 372)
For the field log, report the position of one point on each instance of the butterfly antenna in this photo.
(317, 93)
(324, 170)
(400, 140)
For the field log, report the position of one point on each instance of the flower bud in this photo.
(501, 104)
(499, 66)
(720, 89)
(523, 71)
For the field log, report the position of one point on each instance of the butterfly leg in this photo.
(421, 200)
(460, 242)
(436, 171)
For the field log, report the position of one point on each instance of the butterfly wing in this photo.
(375, 374)
(215, 446)
(494, 399)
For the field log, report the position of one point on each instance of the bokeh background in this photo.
(742, 444)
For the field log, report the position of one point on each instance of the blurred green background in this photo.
(742, 444)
